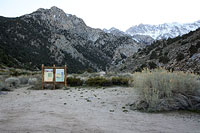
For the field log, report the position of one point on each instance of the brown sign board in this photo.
(54, 75)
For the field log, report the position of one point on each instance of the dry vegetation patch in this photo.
(162, 90)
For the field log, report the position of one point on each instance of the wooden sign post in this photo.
(54, 75)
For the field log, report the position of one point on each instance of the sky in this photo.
(121, 14)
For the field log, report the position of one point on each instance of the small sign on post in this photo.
(54, 75)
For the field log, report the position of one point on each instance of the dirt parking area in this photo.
(86, 110)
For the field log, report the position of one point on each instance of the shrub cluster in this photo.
(152, 65)
(161, 90)
(194, 48)
(120, 81)
(164, 59)
(179, 57)
(95, 81)
(17, 73)
(98, 81)
(153, 55)
(73, 81)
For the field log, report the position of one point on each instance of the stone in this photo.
(139, 105)
(2, 86)
(23, 80)
(12, 82)
(102, 73)
(32, 81)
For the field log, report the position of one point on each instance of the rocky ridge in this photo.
(142, 39)
(180, 54)
(147, 34)
(50, 36)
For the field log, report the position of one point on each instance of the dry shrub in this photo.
(120, 81)
(161, 90)
(73, 81)
(98, 81)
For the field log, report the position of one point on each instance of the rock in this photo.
(139, 105)
(112, 110)
(23, 80)
(197, 106)
(48, 86)
(32, 81)
(2, 86)
(12, 82)
(102, 73)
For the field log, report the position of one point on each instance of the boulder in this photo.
(12, 82)
(33, 81)
(139, 105)
(23, 80)
(3, 87)
(102, 73)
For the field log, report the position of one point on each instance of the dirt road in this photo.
(85, 110)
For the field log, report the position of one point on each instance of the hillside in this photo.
(180, 53)
(50, 36)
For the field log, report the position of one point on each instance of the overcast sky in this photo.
(121, 14)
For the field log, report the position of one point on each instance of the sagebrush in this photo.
(160, 89)
(73, 81)
(98, 81)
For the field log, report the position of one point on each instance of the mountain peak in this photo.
(57, 18)
(115, 31)
(163, 31)
(52, 10)
(55, 8)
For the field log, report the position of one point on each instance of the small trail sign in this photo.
(54, 75)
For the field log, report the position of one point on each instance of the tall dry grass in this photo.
(160, 90)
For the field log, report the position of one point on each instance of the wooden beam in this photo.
(65, 76)
(54, 79)
(42, 76)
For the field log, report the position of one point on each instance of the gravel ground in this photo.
(86, 110)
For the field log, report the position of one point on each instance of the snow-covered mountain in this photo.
(163, 31)
(114, 31)
(142, 39)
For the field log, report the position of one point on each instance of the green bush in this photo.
(138, 69)
(153, 55)
(17, 73)
(161, 90)
(73, 81)
(120, 81)
(193, 49)
(164, 59)
(98, 81)
(184, 42)
(166, 53)
(179, 57)
(152, 65)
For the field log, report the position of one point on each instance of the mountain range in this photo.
(50, 36)
(146, 33)
(180, 54)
